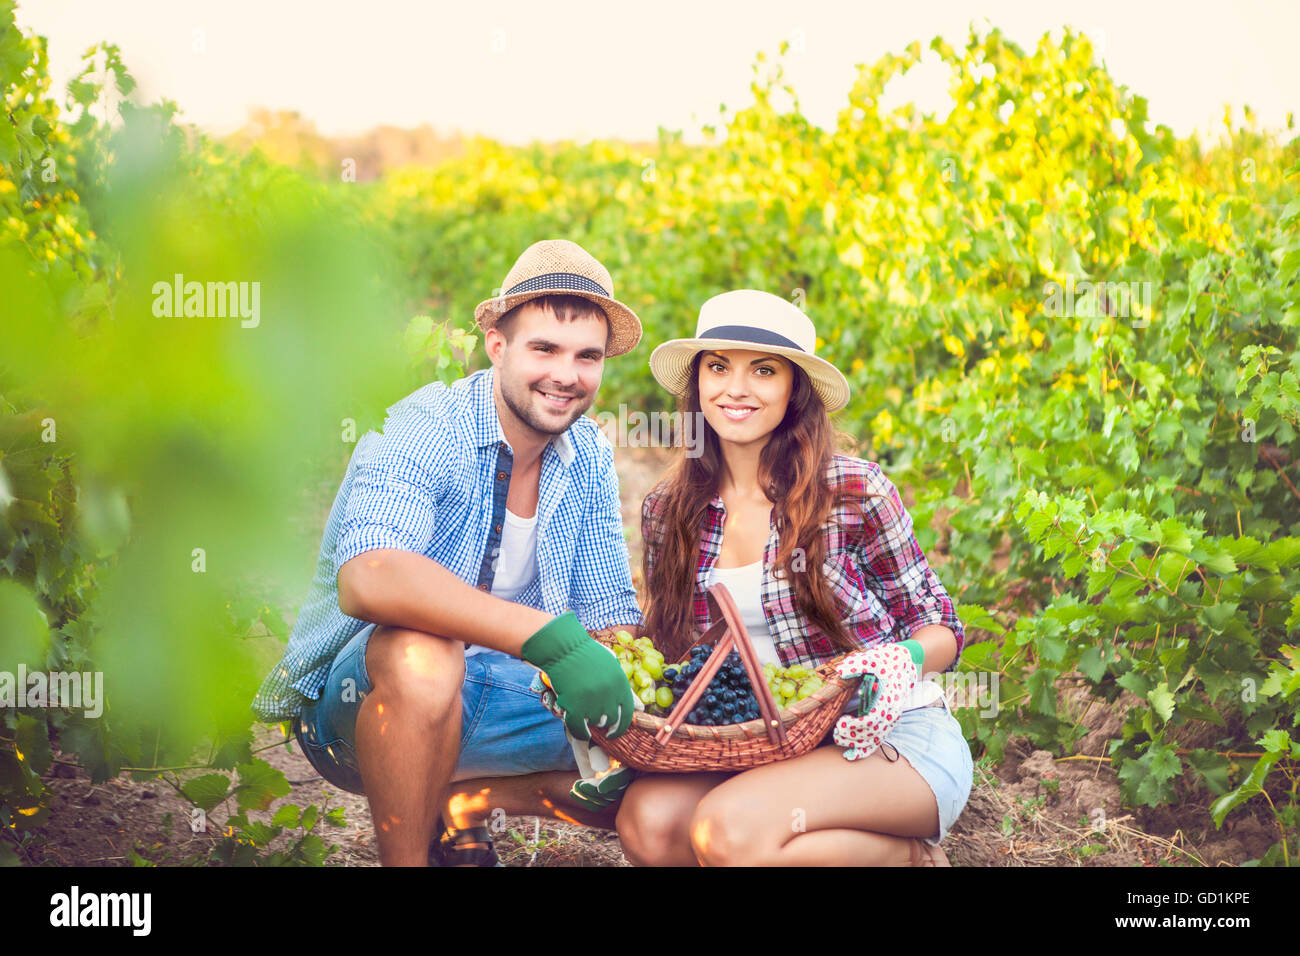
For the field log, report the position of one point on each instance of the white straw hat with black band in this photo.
(760, 321)
(561, 267)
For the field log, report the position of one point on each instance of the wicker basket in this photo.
(668, 745)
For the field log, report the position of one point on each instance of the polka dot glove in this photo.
(894, 670)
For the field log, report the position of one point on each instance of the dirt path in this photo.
(1032, 811)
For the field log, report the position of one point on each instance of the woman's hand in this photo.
(894, 669)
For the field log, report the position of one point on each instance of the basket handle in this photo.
(736, 635)
(749, 658)
(701, 683)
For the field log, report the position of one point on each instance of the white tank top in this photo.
(516, 562)
(745, 584)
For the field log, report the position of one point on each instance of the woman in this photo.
(818, 552)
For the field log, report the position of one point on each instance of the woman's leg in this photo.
(818, 810)
(655, 814)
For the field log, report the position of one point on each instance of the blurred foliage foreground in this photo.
(1071, 333)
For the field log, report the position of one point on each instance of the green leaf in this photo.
(1162, 700)
(1041, 685)
(1218, 616)
(1216, 559)
(1091, 664)
(1252, 785)
(259, 784)
(1212, 768)
(1293, 619)
(207, 791)
(1135, 683)
(261, 833)
(1148, 779)
(287, 816)
(1189, 708)
(25, 634)
(1276, 741)
(1174, 537)
(975, 616)
(313, 850)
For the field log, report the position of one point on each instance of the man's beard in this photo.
(519, 399)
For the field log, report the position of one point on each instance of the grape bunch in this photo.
(729, 698)
(789, 684)
(643, 666)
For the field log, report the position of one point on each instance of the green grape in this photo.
(664, 697)
(653, 667)
(798, 671)
(623, 637)
(641, 677)
(647, 695)
(627, 668)
(809, 687)
(788, 688)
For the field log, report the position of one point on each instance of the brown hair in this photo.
(793, 469)
(563, 307)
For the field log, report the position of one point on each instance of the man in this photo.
(459, 541)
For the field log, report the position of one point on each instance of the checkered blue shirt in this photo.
(434, 483)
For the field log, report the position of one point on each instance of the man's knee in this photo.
(416, 670)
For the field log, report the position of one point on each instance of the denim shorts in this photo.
(505, 731)
(931, 740)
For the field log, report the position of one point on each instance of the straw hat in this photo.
(749, 319)
(561, 267)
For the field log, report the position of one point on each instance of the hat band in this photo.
(747, 333)
(558, 280)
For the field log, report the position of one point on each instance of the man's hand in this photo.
(589, 683)
(601, 783)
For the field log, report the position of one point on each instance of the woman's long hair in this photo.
(792, 469)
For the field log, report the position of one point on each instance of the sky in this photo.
(519, 71)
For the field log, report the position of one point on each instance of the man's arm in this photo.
(402, 589)
(601, 589)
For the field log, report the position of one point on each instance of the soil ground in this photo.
(1033, 810)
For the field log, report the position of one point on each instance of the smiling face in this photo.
(744, 393)
(549, 369)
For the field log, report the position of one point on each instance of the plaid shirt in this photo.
(434, 483)
(879, 577)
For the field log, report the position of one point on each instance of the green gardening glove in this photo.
(589, 683)
(918, 657)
